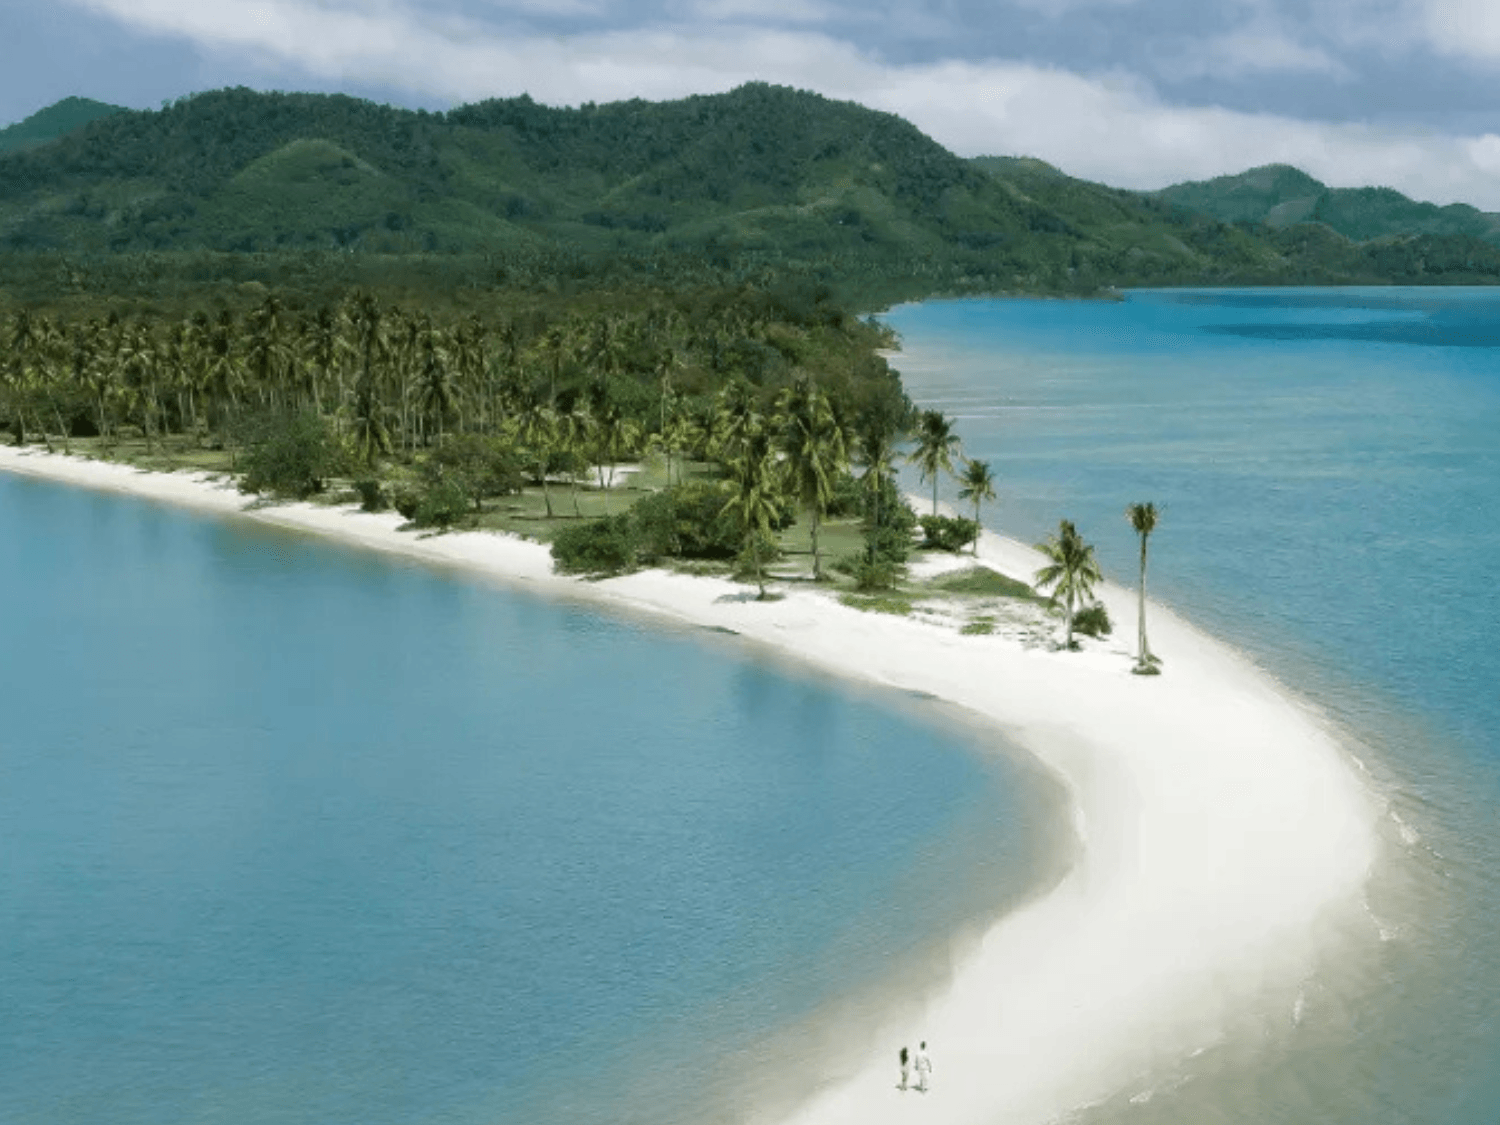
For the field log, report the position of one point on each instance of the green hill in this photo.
(760, 180)
(1281, 196)
(55, 121)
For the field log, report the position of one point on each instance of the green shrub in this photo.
(894, 511)
(948, 533)
(442, 503)
(887, 544)
(1093, 621)
(876, 574)
(290, 455)
(605, 546)
(480, 465)
(406, 499)
(979, 627)
(686, 522)
(372, 497)
(767, 550)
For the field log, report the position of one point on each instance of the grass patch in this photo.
(878, 603)
(984, 582)
(979, 627)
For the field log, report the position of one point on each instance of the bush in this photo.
(482, 466)
(605, 546)
(406, 500)
(290, 455)
(875, 574)
(768, 551)
(887, 544)
(1093, 621)
(686, 521)
(441, 504)
(372, 496)
(948, 533)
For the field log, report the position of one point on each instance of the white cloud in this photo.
(1252, 51)
(1111, 128)
(1465, 28)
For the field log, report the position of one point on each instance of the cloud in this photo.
(1111, 127)
(1464, 28)
(1252, 51)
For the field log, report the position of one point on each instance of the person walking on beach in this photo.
(924, 1067)
(905, 1068)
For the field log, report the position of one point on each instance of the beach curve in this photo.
(1219, 817)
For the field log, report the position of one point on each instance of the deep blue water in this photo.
(1328, 462)
(292, 833)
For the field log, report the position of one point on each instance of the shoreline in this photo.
(1220, 822)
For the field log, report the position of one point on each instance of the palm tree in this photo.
(1143, 518)
(1073, 571)
(753, 495)
(937, 445)
(978, 485)
(538, 431)
(813, 444)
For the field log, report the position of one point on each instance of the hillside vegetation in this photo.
(66, 116)
(317, 194)
(1281, 196)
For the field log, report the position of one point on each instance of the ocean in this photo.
(1327, 463)
(295, 832)
(291, 832)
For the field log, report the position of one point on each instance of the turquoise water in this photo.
(292, 833)
(1329, 466)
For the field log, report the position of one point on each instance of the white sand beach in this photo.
(1221, 824)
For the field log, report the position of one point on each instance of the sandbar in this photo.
(1220, 822)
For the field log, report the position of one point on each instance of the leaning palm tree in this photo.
(937, 445)
(1072, 571)
(978, 485)
(1143, 518)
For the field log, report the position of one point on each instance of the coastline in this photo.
(1221, 823)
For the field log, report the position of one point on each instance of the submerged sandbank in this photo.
(1220, 822)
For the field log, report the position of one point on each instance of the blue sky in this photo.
(1137, 93)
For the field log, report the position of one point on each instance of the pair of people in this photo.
(918, 1062)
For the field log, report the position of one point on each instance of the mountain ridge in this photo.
(760, 178)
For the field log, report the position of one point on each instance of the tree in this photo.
(978, 485)
(1072, 571)
(538, 432)
(937, 445)
(813, 444)
(1143, 518)
(753, 498)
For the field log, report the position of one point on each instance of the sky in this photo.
(1133, 93)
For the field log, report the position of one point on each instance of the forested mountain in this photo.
(55, 121)
(723, 189)
(1281, 196)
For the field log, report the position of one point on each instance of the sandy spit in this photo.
(1220, 822)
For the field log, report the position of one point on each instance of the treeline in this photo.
(389, 381)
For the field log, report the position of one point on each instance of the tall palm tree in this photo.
(937, 445)
(813, 444)
(754, 490)
(1072, 571)
(978, 485)
(1143, 518)
(538, 432)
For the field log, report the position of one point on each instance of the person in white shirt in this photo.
(923, 1066)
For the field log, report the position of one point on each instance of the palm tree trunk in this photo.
(1145, 652)
(817, 557)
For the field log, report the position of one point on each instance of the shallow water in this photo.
(296, 833)
(1328, 465)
